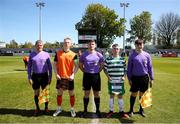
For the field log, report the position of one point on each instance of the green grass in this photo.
(16, 96)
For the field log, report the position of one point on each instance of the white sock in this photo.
(59, 107)
(111, 104)
(120, 103)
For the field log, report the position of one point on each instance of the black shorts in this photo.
(139, 83)
(91, 80)
(39, 80)
(65, 84)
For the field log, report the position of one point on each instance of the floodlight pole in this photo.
(124, 5)
(40, 4)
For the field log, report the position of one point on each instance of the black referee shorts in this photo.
(91, 80)
(39, 80)
(139, 83)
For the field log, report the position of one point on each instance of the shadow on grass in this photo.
(20, 69)
(90, 115)
(22, 112)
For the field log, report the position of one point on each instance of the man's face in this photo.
(92, 45)
(115, 50)
(39, 46)
(139, 46)
(67, 44)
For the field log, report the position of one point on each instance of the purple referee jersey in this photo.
(91, 61)
(39, 63)
(139, 64)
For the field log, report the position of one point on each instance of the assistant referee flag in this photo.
(44, 95)
(146, 99)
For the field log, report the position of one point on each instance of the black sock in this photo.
(86, 101)
(140, 107)
(97, 103)
(46, 105)
(132, 101)
(36, 100)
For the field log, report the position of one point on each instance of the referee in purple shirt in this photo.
(39, 73)
(140, 74)
(91, 64)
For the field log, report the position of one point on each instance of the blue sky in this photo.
(19, 18)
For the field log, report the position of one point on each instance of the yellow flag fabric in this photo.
(146, 99)
(44, 95)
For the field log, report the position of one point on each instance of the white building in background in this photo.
(2, 44)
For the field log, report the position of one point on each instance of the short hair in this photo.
(91, 41)
(67, 38)
(115, 45)
(139, 41)
(38, 41)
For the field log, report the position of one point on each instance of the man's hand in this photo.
(109, 78)
(58, 77)
(123, 78)
(49, 81)
(130, 83)
(71, 77)
(30, 81)
(151, 83)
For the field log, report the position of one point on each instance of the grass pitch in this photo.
(17, 105)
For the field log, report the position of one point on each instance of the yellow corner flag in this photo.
(146, 99)
(44, 95)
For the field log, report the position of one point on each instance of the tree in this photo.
(177, 45)
(56, 44)
(166, 27)
(105, 21)
(12, 44)
(27, 45)
(141, 26)
(178, 37)
(52, 45)
(47, 45)
(131, 38)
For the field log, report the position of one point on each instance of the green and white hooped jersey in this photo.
(115, 67)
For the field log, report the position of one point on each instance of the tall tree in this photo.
(105, 21)
(166, 27)
(141, 26)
